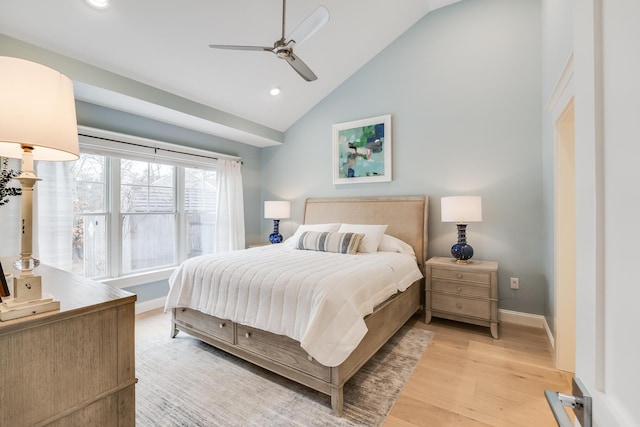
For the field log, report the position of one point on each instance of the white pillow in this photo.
(293, 240)
(372, 235)
(393, 244)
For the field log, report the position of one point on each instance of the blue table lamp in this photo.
(276, 210)
(461, 210)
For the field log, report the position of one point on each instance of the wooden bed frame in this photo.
(406, 218)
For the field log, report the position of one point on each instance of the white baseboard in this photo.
(527, 319)
(519, 318)
(141, 307)
(549, 334)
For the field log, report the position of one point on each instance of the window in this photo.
(148, 213)
(133, 216)
(200, 210)
(130, 209)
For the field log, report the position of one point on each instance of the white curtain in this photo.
(230, 207)
(52, 217)
(53, 208)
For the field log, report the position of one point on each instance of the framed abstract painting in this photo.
(362, 151)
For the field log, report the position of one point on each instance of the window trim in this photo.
(135, 279)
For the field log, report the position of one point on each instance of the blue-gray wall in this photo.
(463, 87)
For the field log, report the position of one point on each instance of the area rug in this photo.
(185, 382)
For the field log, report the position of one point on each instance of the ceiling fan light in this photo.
(275, 91)
(98, 4)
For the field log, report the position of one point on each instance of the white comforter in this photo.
(316, 298)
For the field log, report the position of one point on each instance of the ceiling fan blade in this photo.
(300, 67)
(310, 25)
(233, 47)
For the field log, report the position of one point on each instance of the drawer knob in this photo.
(459, 276)
(458, 305)
(310, 358)
(247, 334)
(222, 325)
(459, 288)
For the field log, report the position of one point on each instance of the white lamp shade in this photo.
(37, 109)
(277, 209)
(461, 209)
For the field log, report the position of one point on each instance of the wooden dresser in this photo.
(72, 367)
(463, 292)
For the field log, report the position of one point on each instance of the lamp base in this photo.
(10, 309)
(461, 251)
(27, 287)
(275, 237)
(27, 300)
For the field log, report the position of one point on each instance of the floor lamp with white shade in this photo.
(37, 122)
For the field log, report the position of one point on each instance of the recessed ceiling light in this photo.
(98, 4)
(275, 91)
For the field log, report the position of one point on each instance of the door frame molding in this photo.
(559, 102)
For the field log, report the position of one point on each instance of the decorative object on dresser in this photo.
(462, 292)
(4, 287)
(461, 210)
(72, 367)
(37, 122)
(276, 210)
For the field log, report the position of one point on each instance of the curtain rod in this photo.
(214, 156)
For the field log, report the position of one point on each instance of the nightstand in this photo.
(463, 292)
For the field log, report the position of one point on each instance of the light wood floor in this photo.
(465, 377)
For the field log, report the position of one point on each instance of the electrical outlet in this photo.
(515, 283)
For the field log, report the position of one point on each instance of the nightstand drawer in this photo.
(462, 306)
(461, 288)
(465, 276)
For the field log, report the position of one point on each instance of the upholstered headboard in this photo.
(406, 217)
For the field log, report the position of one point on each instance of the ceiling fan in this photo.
(283, 47)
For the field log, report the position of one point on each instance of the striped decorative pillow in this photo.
(328, 241)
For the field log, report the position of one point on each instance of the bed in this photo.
(293, 355)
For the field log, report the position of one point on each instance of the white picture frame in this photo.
(362, 151)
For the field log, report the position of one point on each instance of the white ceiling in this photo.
(164, 43)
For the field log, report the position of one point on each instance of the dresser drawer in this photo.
(462, 306)
(464, 276)
(461, 288)
(218, 328)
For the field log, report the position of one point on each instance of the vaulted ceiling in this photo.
(165, 44)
